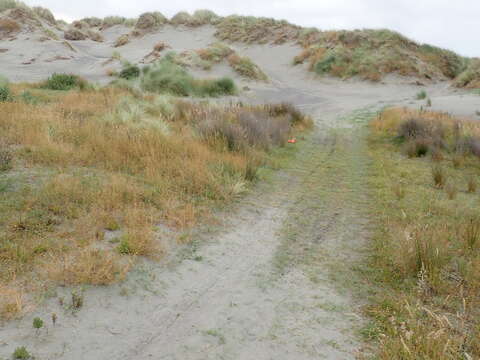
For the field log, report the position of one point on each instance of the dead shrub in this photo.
(160, 46)
(122, 40)
(413, 129)
(417, 147)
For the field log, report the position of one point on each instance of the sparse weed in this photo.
(472, 185)
(77, 300)
(451, 191)
(6, 159)
(426, 250)
(439, 177)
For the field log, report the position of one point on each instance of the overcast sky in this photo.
(452, 24)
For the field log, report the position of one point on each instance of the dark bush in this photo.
(129, 72)
(418, 147)
(325, 65)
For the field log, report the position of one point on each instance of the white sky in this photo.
(450, 24)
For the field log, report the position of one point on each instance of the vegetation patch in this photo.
(426, 252)
(470, 78)
(95, 160)
(64, 82)
(166, 76)
(371, 54)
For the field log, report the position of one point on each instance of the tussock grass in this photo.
(218, 52)
(149, 21)
(44, 14)
(470, 78)
(166, 76)
(249, 29)
(11, 4)
(426, 253)
(110, 21)
(92, 161)
(199, 18)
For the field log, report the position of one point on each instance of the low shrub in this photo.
(21, 353)
(64, 82)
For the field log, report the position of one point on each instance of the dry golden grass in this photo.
(88, 162)
(426, 254)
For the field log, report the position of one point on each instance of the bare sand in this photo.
(223, 297)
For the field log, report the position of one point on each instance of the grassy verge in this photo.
(86, 176)
(426, 254)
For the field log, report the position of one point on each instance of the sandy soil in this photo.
(276, 279)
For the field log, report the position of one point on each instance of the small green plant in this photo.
(429, 102)
(124, 247)
(21, 353)
(421, 95)
(37, 323)
(5, 93)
